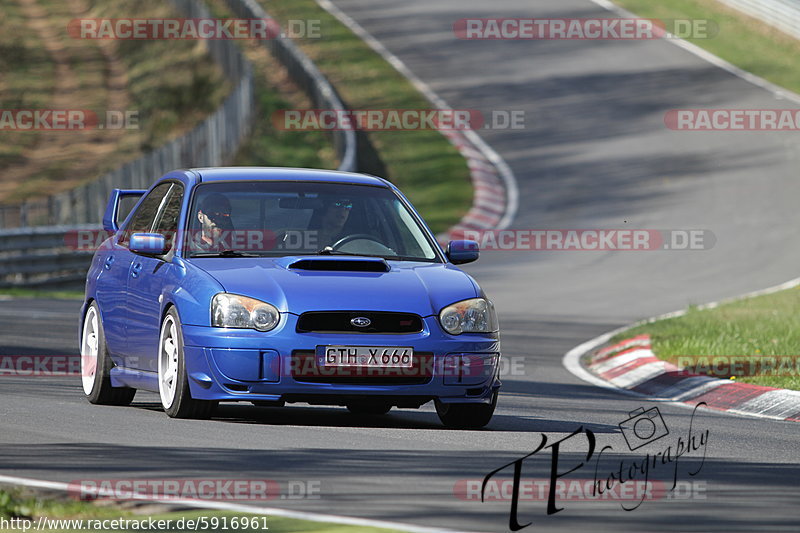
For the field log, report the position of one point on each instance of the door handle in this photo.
(135, 269)
(109, 262)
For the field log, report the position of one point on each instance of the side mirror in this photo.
(461, 252)
(148, 244)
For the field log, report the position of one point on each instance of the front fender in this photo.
(191, 293)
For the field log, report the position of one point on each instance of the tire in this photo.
(466, 415)
(369, 408)
(96, 364)
(173, 383)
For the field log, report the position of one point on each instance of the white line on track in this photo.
(225, 506)
(777, 91)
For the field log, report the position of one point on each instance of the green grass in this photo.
(746, 42)
(751, 328)
(422, 163)
(18, 502)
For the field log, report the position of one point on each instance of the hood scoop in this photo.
(341, 264)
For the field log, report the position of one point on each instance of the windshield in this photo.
(269, 218)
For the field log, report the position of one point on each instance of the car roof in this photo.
(284, 174)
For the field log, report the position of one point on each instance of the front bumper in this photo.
(280, 365)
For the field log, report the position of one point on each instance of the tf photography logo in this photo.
(630, 481)
(643, 427)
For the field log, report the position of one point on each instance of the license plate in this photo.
(366, 356)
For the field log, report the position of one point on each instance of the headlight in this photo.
(234, 311)
(475, 315)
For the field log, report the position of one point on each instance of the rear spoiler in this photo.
(113, 216)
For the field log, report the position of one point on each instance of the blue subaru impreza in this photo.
(274, 285)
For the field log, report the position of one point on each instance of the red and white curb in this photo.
(631, 368)
(632, 365)
(490, 202)
(496, 197)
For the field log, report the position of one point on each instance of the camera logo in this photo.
(643, 427)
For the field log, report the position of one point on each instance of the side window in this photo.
(167, 224)
(142, 219)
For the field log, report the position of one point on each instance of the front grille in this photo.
(339, 322)
(305, 369)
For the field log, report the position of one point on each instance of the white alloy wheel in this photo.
(168, 362)
(90, 348)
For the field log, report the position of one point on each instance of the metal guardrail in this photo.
(782, 14)
(40, 255)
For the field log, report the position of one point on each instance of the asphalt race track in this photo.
(594, 153)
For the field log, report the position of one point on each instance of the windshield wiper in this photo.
(223, 253)
(328, 250)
